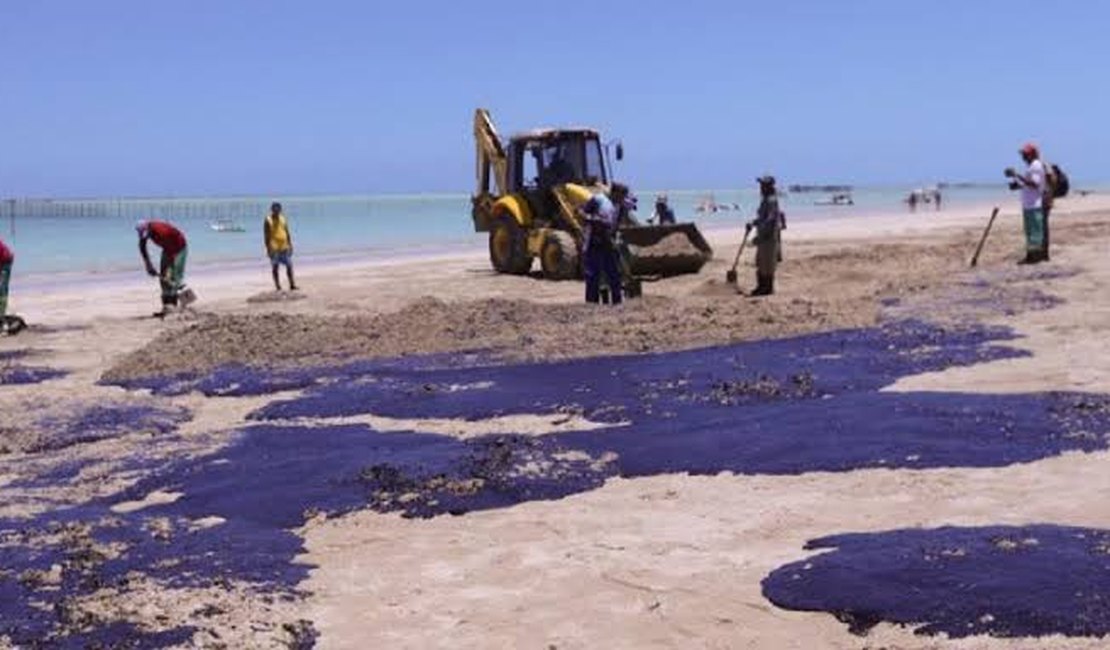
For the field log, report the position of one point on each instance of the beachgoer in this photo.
(171, 270)
(7, 258)
(600, 253)
(912, 201)
(663, 215)
(768, 225)
(279, 244)
(936, 197)
(1032, 185)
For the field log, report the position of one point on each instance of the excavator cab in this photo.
(542, 162)
(542, 177)
(549, 158)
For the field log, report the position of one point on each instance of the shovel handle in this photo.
(983, 239)
(743, 242)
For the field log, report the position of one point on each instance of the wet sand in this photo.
(660, 561)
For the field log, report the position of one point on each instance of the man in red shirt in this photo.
(6, 260)
(171, 273)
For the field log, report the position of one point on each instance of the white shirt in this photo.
(1032, 197)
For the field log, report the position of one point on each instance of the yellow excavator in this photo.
(540, 180)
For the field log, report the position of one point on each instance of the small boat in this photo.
(226, 225)
(837, 199)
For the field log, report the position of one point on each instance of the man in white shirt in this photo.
(1032, 185)
(600, 254)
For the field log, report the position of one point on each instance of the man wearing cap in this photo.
(767, 223)
(171, 273)
(1032, 185)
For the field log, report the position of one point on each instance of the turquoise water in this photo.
(98, 235)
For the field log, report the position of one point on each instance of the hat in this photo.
(1029, 148)
(142, 226)
(661, 198)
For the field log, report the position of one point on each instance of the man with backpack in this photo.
(1034, 188)
(1056, 186)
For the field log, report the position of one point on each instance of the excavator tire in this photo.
(559, 256)
(508, 247)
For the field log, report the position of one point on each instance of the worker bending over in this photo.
(663, 215)
(171, 273)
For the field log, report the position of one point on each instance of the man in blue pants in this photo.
(600, 254)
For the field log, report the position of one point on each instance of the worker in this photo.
(626, 208)
(171, 272)
(768, 225)
(558, 171)
(279, 245)
(7, 258)
(1032, 185)
(600, 253)
(663, 215)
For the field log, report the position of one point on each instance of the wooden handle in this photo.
(983, 239)
(743, 242)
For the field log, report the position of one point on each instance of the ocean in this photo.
(97, 235)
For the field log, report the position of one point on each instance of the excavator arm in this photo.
(490, 158)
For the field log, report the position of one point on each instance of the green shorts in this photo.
(172, 277)
(1033, 220)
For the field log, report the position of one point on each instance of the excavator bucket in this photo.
(665, 250)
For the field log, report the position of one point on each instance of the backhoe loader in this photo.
(540, 180)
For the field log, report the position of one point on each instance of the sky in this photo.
(218, 97)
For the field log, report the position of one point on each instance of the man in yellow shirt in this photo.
(279, 244)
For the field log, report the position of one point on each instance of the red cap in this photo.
(1029, 148)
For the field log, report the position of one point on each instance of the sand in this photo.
(666, 561)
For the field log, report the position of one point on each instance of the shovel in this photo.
(730, 277)
(983, 239)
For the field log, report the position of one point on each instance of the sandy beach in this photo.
(632, 558)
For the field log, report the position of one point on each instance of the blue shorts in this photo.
(282, 257)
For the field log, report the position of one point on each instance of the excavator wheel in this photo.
(559, 256)
(508, 247)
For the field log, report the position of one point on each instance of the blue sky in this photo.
(130, 97)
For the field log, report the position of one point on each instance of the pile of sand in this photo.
(518, 329)
(673, 245)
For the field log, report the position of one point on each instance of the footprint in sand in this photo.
(275, 296)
